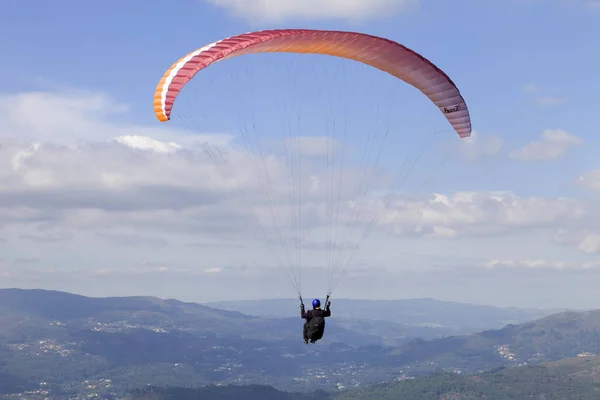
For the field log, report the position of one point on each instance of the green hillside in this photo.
(555, 337)
(573, 378)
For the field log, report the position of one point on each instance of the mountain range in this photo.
(451, 317)
(65, 344)
(574, 378)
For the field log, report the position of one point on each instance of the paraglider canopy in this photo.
(380, 53)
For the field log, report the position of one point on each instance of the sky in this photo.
(278, 170)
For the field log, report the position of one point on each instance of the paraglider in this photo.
(381, 53)
(314, 327)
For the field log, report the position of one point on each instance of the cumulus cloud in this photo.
(590, 244)
(277, 10)
(25, 261)
(586, 240)
(191, 201)
(542, 264)
(550, 100)
(146, 143)
(553, 144)
(73, 117)
(317, 146)
(53, 237)
(130, 183)
(541, 98)
(590, 180)
(478, 213)
(479, 146)
(134, 185)
(530, 88)
(128, 239)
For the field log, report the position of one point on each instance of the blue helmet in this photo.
(316, 303)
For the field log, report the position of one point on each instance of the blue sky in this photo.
(85, 74)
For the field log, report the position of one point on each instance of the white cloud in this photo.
(126, 181)
(97, 198)
(586, 240)
(478, 213)
(591, 180)
(541, 98)
(590, 244)
(317, 146)
(113, 188)
(478, 146)
(530, 88)
(53, 237)
(146, 143)
(277, 10)
(550, 100)
(77, 117)
(126, 239)
(541, 264)
(553, 144)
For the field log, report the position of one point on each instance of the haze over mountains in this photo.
(107, 347)
(450, 316)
